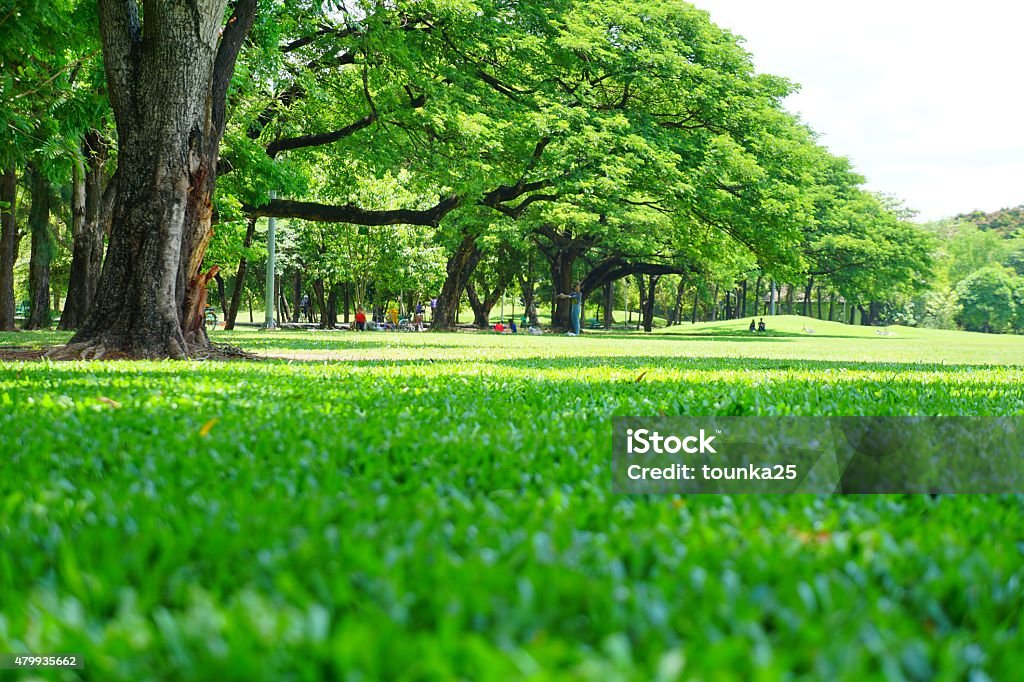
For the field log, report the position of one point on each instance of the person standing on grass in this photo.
(360, 319)
(577, 307)
(419, 316)
(393, 316)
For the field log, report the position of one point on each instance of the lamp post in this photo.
(268, 322)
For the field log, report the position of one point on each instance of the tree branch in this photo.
(235, 31)
(315, 140)
(349, 213)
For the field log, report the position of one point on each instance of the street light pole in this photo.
(269, 322)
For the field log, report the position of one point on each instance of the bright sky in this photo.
(926, 97)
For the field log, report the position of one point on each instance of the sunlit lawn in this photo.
(427, 506)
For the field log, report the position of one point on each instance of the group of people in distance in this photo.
(510, 328)
(390, 321)
(759, 327)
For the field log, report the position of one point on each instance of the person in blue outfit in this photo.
(577, 305)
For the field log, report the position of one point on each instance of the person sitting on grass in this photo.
(512, 326)
(360, 319)
(753, 325)
(500, 328)
(761, 326)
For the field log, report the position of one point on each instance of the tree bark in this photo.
(346, 300)
(461, 265)
(652, 284)
(561, 279)
(297, 295)
(807, 297)
(757, 295)
(609, 305)
(482, 307)
(527, 286)
(321, 300)
(714, 305)
(8, 247)
(39, 315)
(239, 287)
(88, 227)
(168, 90)
(331, 319)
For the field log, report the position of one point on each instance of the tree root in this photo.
(97, 350)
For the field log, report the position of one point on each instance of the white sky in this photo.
(926, 98)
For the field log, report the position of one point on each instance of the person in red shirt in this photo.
(360, 319)
(500, 328)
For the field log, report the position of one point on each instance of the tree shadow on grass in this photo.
(703, 363)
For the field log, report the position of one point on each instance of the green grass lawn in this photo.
(426, 506)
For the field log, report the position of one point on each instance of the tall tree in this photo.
(8, 246)
(168, 74)
(90, 210)
(42, 250)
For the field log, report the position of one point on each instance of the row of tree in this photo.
(418, 146)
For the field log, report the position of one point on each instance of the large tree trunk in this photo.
(168, 86)
(243, 268)
(8, 247)
(561, 279)
(461, 265)
(39, 315)
(807, 296)
(89, 225)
